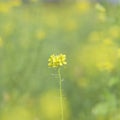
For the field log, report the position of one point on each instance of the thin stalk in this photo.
(61, 98)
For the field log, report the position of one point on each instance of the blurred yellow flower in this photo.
(71, 25)
(57, 60)
(83, 6)
(100, 8)
(114, 31)
(51, 19)
(16, 113)
(108, 41)
(15, 3)
(107, 66)
(40, 35)
(102, 17)
(98, 55)
(5, 7)
(115, 116)
(50, 106)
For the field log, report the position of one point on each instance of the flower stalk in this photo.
(61, 97)
(57, 61)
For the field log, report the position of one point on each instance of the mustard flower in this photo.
(57, 60)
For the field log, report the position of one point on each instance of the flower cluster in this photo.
(57, 60)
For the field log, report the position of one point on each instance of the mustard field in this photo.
(86, 38)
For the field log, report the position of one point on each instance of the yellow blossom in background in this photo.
(51, 19)
(115, 116)
(50, 106)
(108, 41)
(15, 3)
(5, 7)
(98, 54)
(114, 31)
(101, 12)
(107, 66)
(83, 6)
(16, 113)
(100, 8)
(102, 17)
(40, 35)
(57, 60)
(71, 25)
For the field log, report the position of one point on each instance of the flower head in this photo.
(57, 60)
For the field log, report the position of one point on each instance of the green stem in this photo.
(61, 98)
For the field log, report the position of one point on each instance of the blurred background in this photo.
(87, 31)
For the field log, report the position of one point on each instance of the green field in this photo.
(89, 35)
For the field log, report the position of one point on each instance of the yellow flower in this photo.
(57, 60)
